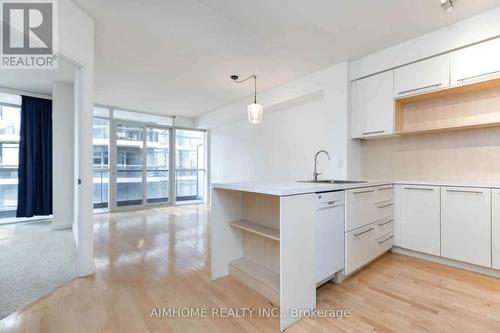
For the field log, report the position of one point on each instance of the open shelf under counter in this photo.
(257, 277)
(257, 229)
(465, 106)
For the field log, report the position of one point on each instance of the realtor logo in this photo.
(29, 33)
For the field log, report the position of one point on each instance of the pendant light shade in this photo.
(255, 110)
(255, 113)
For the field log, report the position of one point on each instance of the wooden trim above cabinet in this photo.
(473, 105)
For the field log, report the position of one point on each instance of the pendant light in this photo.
(255, 110)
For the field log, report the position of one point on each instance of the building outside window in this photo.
(190, 165)
(142, 160)
(10, 123)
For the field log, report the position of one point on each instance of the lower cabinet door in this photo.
(360, 247)
(420, 218)
(466, 224)
(495, 228)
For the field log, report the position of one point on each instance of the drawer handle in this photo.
(374, 132)
(384, 223)
(477, 76)
(331, 202)
(385, 188)
(465, 191)
(361, 192)
(385, 240)
(363, 232)
(386, 205)
(419, 189)
(421, 88)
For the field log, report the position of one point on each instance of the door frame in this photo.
(113, 152)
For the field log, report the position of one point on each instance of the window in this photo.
(10, 123)
(101, 157)
(190, 165)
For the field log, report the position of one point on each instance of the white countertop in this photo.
(285, 188)
(293, 188)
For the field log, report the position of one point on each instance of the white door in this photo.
(420, 219)
(466, 224)
(495, 228)
(372, 106)
(422, 76)
(477, 62)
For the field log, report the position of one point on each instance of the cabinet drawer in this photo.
(383, 243)
(367, 205)
(360, 210)
(360, 247)
(384, 209)
(385, 193)
(384, 226)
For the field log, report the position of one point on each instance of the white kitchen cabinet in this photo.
(466, 224)
(367, 205)
(372, 106)
(368, 225)
(475, 63)
(420, 218)
(495, 228)
(360, 247)
(422, 76)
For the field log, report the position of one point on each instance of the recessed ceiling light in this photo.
(448, 5)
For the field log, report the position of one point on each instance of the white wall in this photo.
(76, 44)
(300, 118)
(63, 110)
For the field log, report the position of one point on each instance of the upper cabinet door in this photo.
(475, 63)
(372, 106)
(422, 76)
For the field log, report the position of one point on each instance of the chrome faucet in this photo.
(315, 172)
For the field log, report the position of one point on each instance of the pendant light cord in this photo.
(254, 88)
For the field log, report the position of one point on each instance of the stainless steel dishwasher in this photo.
(329, 244)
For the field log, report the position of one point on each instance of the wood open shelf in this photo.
(257, 277)
(257, 229)
(473, 105)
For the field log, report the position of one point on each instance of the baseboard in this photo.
(448, 262)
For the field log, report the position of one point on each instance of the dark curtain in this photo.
(34, 196)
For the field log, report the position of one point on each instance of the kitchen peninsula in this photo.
(263, 234)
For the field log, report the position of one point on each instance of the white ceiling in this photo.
(37, 80)
(175, 57)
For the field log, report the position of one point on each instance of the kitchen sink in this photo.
(331, 181)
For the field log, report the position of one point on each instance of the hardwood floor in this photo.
(160, 258)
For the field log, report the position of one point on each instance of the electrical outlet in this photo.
(341, 164)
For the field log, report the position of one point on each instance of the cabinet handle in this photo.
(419, 188)
(374, 132)
(385, 188)
(361, 192)
(417, 89)
(465, 191)
(331, 202)
(385, 240)
(477, 76)
(363, 232)
(386, 205)
(384, 223)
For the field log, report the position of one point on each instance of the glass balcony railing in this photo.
(8, 191)
(101, 188)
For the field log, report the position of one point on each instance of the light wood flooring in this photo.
(160, 258)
